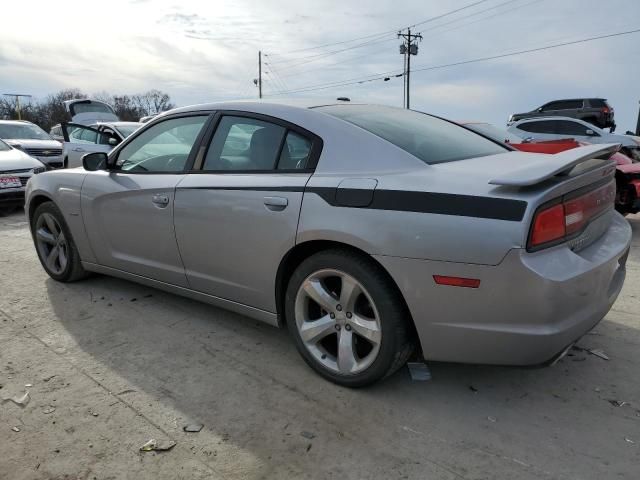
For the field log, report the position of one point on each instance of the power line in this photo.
(384, 75)
(431, 19)
(427, 30)
(503, 12)
(448, 13)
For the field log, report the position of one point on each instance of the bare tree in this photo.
(51, 110)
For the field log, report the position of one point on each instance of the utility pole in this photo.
(407, 49)
(259, 74)
(17, 97)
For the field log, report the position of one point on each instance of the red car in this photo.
(627, 172)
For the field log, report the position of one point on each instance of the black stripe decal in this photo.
(407, 201)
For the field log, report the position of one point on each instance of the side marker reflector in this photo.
(457, 281)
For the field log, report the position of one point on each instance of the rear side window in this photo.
(598, 103)
(544, 126)
(295, 152)
(428, 138)
(244, 144)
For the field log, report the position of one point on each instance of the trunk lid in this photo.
(87, 112)
(584, 173)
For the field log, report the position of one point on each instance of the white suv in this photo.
(30, 138)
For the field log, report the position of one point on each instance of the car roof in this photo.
(117, 124)
(579, 98)
(550, 117)
(17, 121)
(296, 103)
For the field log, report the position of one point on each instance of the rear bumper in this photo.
(527, 309)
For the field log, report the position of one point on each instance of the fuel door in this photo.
(356, 192)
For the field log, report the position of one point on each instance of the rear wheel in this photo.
(347, 319)
(55, 246)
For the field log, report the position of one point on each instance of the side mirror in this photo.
(113, 141)
(539, 109)
(590, 132)
(94, 161)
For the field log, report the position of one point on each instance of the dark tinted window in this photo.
(566, 127)
(598, 103)
(244, 144)
(428, 138)
(563, 105)
(295, 152)
(543, 126)
(491, 131)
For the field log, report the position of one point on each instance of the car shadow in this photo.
(262, 407)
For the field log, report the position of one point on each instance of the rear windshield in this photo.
(428, 138)
(491, 131)
(23, 131)
(598, 103)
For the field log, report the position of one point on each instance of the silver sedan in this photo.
(372, 233)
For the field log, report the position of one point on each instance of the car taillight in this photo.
(570, 216)
(605, 109)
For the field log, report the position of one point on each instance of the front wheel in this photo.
(347, 319)
(55, 246)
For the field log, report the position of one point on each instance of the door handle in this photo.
(276, 203)
(160, 199)
(78, 149)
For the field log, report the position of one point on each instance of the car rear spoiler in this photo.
(548, 166)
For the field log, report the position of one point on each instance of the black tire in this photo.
(73, 271)
(396, 343)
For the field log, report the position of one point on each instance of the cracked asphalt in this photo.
(112, 364)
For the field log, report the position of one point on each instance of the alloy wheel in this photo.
(51, 243)
(338, 321)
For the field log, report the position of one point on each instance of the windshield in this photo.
(491, 131)
(23, 131)
(428, 138)
(126, 130)
(4, 147)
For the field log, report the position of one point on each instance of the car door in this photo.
(128, 209)
(80, 140)
(236, 214)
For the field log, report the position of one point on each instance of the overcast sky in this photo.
(207, 51)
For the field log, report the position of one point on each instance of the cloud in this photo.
(204, 51)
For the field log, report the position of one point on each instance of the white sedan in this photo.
(16, 167)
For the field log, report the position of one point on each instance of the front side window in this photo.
(244, 144)
(164, 147)
(428, 138)
(4, 147)
(571, 128)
